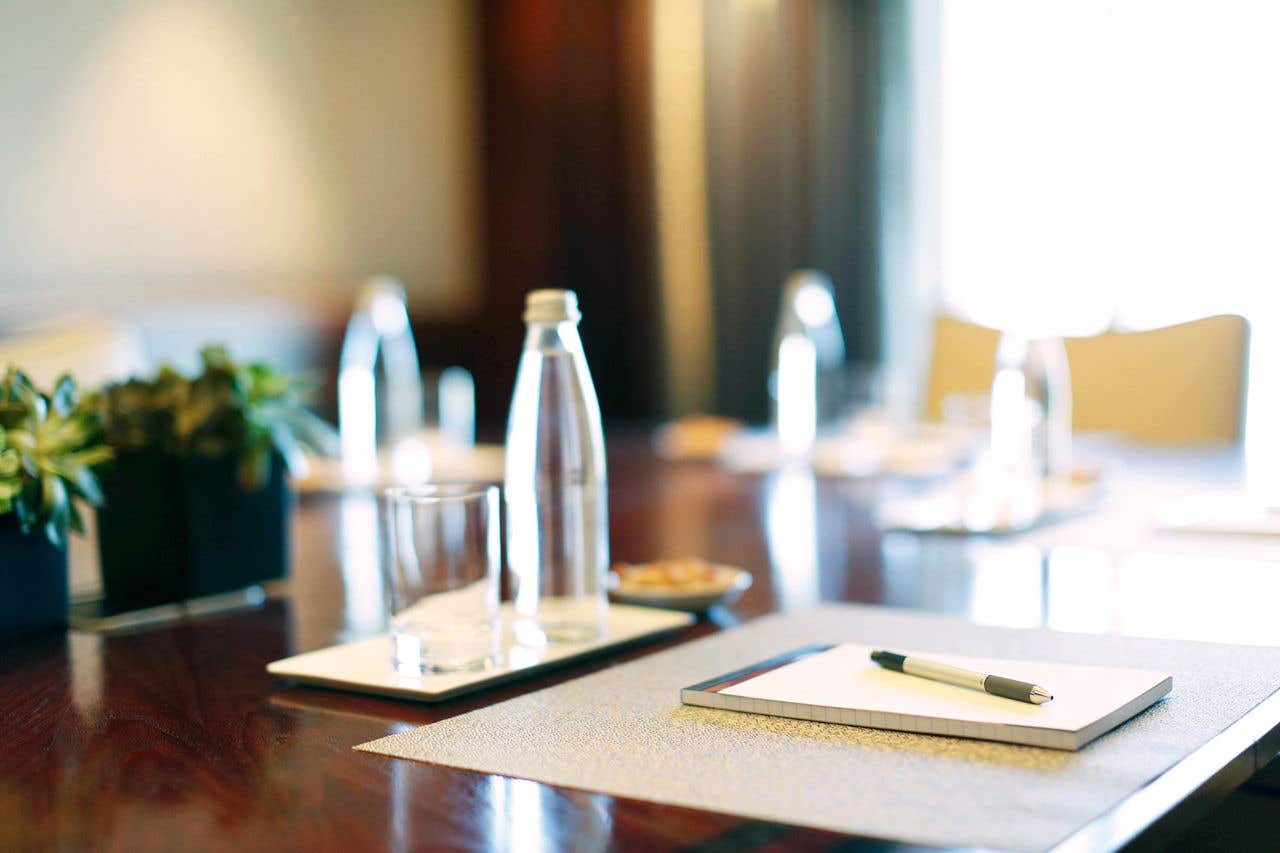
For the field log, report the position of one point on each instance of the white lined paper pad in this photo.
(831, 685)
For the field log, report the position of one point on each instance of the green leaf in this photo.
(30, 461)
(55, 530)
(77, 520)
(216, 357)
(72, 429)
(315, 433)
(227, 408)
(190, 417)
(87, 485)
(46, 443)
(26, 504)
(63, 397)
(21, 440)
(10, 463)
(255, 464)
(26, 394)
(90, 457)
(54, 493)
(286, 444)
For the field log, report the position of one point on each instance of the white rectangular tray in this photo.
(365, 665)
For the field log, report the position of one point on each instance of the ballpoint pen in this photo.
(996, 685)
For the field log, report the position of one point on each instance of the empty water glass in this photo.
(442, 577)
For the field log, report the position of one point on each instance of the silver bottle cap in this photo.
(551, 306)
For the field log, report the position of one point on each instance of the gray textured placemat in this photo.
(623, 731)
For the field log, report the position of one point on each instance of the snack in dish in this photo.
(686, 584)
(695, 437)
(684, 575)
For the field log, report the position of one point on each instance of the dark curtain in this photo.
(794, 148)
(564, 200)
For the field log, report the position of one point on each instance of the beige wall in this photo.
(221, 148)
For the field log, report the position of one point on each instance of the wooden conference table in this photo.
(174, 737)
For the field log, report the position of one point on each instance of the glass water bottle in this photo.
(808, 366)
(555, 487)
(1031, 404)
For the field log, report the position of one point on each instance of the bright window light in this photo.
(1113, 163)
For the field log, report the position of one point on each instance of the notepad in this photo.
(840, 684)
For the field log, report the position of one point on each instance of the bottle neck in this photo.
(553, 336)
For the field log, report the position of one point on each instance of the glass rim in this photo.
(435, 493)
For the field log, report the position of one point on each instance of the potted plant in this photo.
(197, 501)
(46, 459)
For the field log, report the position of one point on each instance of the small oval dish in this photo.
(688, 584)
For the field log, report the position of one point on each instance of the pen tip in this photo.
(1039, 696)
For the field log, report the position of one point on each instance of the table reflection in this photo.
(527, 817)
(791, 533)
(85, 651)
(1080, 581)
(1088, 590)
(516, 814)
(1007, 585)
(361, 572)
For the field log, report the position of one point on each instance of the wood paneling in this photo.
(565, 167)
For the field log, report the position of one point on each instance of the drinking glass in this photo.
(442, 577)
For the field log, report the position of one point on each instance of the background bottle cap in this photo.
(551, 306)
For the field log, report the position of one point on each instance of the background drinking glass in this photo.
(442, 577)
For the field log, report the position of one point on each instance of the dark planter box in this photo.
(142, 532)
(234, 538)
(33, 580)
(176, 529)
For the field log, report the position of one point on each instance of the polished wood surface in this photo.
(175, 736)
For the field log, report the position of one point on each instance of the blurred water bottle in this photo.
(380, 397)
(379, 384)
(1031, 406)
(555, 487)
(456, 405)
(808, 367)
